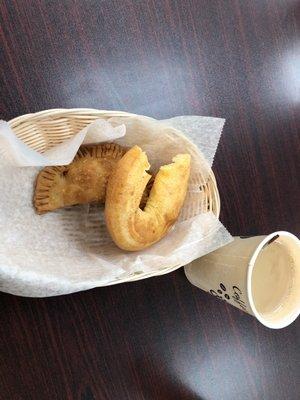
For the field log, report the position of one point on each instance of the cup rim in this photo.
(261, 319)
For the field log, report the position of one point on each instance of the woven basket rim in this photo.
(26, 120)
(52, 112)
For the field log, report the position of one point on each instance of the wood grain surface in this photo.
(161, 338)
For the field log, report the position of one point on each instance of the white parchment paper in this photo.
(70, 250)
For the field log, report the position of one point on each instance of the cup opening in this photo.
(273, 280)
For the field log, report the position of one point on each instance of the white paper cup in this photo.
(260, 275)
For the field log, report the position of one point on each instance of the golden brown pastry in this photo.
(82, 181)
(130, 227)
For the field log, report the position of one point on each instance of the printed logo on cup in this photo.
(236, 295)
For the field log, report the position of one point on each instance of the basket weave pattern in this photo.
(43, 130)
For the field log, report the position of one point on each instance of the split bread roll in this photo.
(130, 227)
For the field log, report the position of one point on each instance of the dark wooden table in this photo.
(161, 338)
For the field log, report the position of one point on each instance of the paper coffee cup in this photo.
(260, 275)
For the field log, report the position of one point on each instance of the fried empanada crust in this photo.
(82, 181)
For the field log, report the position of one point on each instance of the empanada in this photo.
(130, 227)
(82, 181)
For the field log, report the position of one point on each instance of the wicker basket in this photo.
(45, 129)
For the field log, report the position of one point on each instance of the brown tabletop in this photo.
(161, 338)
